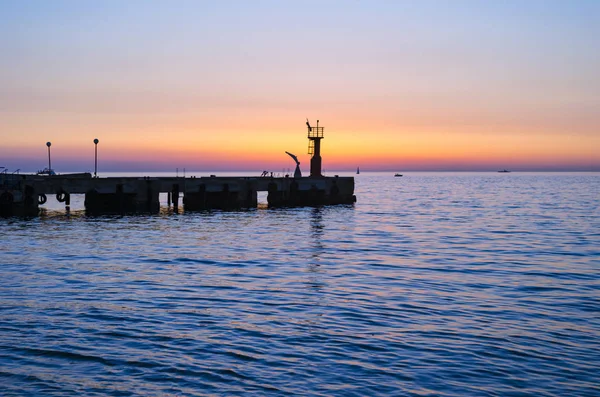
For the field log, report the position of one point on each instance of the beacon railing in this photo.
(316, 132)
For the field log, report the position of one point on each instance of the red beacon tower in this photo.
(315, 134)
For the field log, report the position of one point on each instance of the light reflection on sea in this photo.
(441, 284)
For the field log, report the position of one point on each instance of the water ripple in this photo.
(432, 284)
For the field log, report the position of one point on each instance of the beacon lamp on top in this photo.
(96, 158)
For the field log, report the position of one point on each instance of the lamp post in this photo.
(49, 162)
(96, 158)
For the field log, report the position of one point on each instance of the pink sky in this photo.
(397, 85)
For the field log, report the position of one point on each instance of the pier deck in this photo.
(26, 192)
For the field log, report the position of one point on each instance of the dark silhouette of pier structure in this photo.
(22, 194)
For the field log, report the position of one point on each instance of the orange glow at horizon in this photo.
(211, 147)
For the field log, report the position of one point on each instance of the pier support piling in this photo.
(175, 195)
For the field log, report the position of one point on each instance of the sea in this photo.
(431, 284)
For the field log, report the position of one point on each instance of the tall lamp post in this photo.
(96, 158)
(49, 162)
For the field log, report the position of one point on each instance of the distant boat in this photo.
(357, 170)
(398, 175)
(504, 171)
(50, 172)
(46, 171)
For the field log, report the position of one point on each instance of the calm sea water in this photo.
(433, 284)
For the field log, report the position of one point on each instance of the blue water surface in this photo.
(432, 284)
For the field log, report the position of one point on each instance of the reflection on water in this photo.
(314, 279)
(431, 284)
(316, 229)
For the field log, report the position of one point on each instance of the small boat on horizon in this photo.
(46, 171)
(503, 171)
(396, 175)
(357, 170)
(50, 172)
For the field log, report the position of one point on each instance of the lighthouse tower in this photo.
(315, 134)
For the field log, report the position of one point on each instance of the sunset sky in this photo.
(228, 85)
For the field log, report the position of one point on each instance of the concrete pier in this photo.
(23, 194)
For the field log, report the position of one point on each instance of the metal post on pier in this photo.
(96, 158)
(49, 162)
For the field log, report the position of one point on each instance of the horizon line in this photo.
(229, 171)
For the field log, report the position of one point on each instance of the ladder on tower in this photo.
(311, 147)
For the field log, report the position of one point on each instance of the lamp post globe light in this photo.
(96, 157)
(49, 162)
